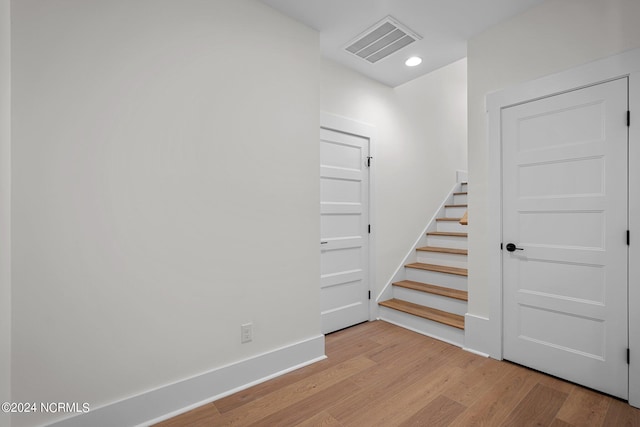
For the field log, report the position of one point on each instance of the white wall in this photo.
(165, 190)
(554, 36)
(5, 211)
(421, 142)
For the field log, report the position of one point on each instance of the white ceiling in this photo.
(445, 26)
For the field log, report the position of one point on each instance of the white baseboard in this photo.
(479, 336)
(173, 399)
(470, 350)
(419, 327)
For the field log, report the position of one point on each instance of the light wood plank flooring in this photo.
(378, 374)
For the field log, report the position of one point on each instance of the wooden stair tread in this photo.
(446, 233)
(448, 219)
(443, 250)
(433, 289)
(439, 316)
(461, 193)
(438, 268)
(456, 206)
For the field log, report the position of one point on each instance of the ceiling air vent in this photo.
(381, 40)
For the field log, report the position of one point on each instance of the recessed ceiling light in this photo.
(413, 61)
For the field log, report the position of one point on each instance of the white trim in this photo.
(621, 65)
(493, 329)
(344, 124)
(478, 353)
(373, 306)
(421, 332)
(170, 400)
(634, 248)
(606, 69)
(477, 335)
(399, 274)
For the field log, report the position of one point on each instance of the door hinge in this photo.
(369, 294)
(369, 228)
(628, 118)
(628, 356)
(369, 161)
(628, 238)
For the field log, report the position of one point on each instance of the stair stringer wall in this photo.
(400, 273)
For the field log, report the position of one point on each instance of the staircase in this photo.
(432, 299)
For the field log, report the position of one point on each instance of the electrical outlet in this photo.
(246, 333)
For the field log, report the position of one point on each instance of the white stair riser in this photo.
(453, 226)
(460, 199)
(447, 242)
(439, 302)
(436, 330)
(435, 278)
(439, 258)
(454, 212)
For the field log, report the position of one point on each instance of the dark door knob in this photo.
(511, 247)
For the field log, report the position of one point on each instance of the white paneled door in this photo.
(565, 235)
(344, 219)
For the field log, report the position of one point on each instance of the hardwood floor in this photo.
(378, 374)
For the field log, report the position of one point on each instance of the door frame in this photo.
(626, 64)
(338, 123)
